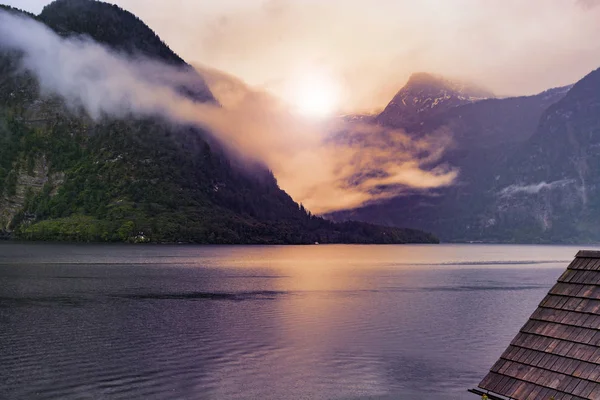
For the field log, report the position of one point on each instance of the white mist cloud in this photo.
(324, 173)
(534, 188)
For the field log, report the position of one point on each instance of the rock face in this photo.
(552, 182)
(528, 169)
(64, 176)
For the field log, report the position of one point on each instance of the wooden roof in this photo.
(557, 352)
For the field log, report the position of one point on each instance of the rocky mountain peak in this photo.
(425, 95)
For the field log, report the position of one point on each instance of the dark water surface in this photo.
(306, 322)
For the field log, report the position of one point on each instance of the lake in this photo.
(262, 322)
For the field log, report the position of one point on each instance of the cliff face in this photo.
(552, 183)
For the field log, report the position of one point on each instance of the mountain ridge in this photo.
(510, 187)
(424, 96)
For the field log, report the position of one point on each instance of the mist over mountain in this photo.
(527, 167)
(107, 135)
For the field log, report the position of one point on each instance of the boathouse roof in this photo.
(556, 354)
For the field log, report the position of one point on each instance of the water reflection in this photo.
(318, 322)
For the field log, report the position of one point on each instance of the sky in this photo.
(367, 49)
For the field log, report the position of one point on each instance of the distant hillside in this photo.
(65, 177)
(552, 186)
(494, 143)
(492, 122)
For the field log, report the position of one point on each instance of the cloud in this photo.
(587, 4)
(510, 46)
(334, 164)
(337, 176)
(534, 188)
(359, 164)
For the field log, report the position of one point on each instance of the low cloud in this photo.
(534, 188)
(328, 165)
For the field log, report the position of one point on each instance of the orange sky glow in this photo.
(368, 48)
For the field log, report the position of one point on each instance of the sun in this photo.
(314, 94)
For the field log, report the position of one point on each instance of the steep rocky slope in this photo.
(425, 96)
(524, 163)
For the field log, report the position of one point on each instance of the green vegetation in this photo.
(108, 24)
(16, 10)
(64, 177)
(74, 229)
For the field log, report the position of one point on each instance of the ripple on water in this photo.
(232, 325)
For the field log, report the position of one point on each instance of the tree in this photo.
(126, 230)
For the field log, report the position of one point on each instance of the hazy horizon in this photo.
(510, 47)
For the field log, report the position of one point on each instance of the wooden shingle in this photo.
(557, 351)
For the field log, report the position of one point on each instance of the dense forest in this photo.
(66, 177)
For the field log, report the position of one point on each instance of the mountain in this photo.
(121, 31)
(552, 184)
(65, 176)
(491, 122)
(501, 194)
(107, 24)
(424, 96)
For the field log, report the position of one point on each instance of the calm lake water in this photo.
(305, 322)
